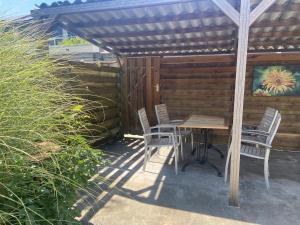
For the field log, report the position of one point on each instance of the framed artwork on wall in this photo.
(283, 80)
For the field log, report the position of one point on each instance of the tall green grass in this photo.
(43, 157)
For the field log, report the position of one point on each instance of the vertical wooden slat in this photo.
(125, 86)
(156, 80)
(135, 94)
(139, 87)
(131, 97)
(149, 89)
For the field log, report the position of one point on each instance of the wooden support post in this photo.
(245, 19)
(239, 101)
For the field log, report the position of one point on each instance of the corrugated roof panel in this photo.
(198, 26)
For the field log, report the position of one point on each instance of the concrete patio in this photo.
(197, 196)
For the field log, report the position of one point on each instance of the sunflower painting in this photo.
(276, 81)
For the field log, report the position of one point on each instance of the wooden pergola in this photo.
(187, 27)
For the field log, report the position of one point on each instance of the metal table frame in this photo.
(201, 159)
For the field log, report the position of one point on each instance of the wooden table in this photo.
(204, 123)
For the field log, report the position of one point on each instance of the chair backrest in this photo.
(144, 120)
(268, 120)
(274, 129)
(162, 114)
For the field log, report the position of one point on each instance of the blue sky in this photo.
(16, 8)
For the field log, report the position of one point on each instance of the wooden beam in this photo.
(229, 44)
(147, 20)
(229, 58)
(167, 31)
(260, 9)
(228, 10)
(239, 102)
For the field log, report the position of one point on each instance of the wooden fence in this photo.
(101, 85)
(205, 85)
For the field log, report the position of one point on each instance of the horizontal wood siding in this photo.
(205, 85)
(101, 85)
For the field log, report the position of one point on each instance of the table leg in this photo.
(204, 158)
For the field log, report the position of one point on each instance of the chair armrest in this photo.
(176, 122)
(169, 135)
(170, 126)
(158, 133)
(256, 143)
(164, 126)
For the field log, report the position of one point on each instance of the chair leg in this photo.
(227, 165)
(192, 141)
(266, 169)
(176, 159)
(181, 148)
(145, 158)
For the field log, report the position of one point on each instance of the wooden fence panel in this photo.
(101, 85)
(141, 78)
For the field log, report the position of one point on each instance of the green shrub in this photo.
(73, 41)
(43, 158)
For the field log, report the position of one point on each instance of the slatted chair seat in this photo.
(253, 151)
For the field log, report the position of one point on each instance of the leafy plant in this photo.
(44, 159)
(74, 41)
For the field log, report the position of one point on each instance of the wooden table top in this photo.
(204, 122)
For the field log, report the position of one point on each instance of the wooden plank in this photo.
(226, 44)
(125, 88)
(198, 59)
(149, 89)
(228, 10)
(204, 121)
(198, 70)
(260, 9)
(156, 80)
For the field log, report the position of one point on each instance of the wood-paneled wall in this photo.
(205, 85)
(139, 82)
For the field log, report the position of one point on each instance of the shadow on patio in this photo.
(197, 196)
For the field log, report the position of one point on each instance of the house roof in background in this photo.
(172, 27)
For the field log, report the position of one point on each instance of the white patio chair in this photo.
(265, 125)
(259, 149)
(158, 139)
(162, 116)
